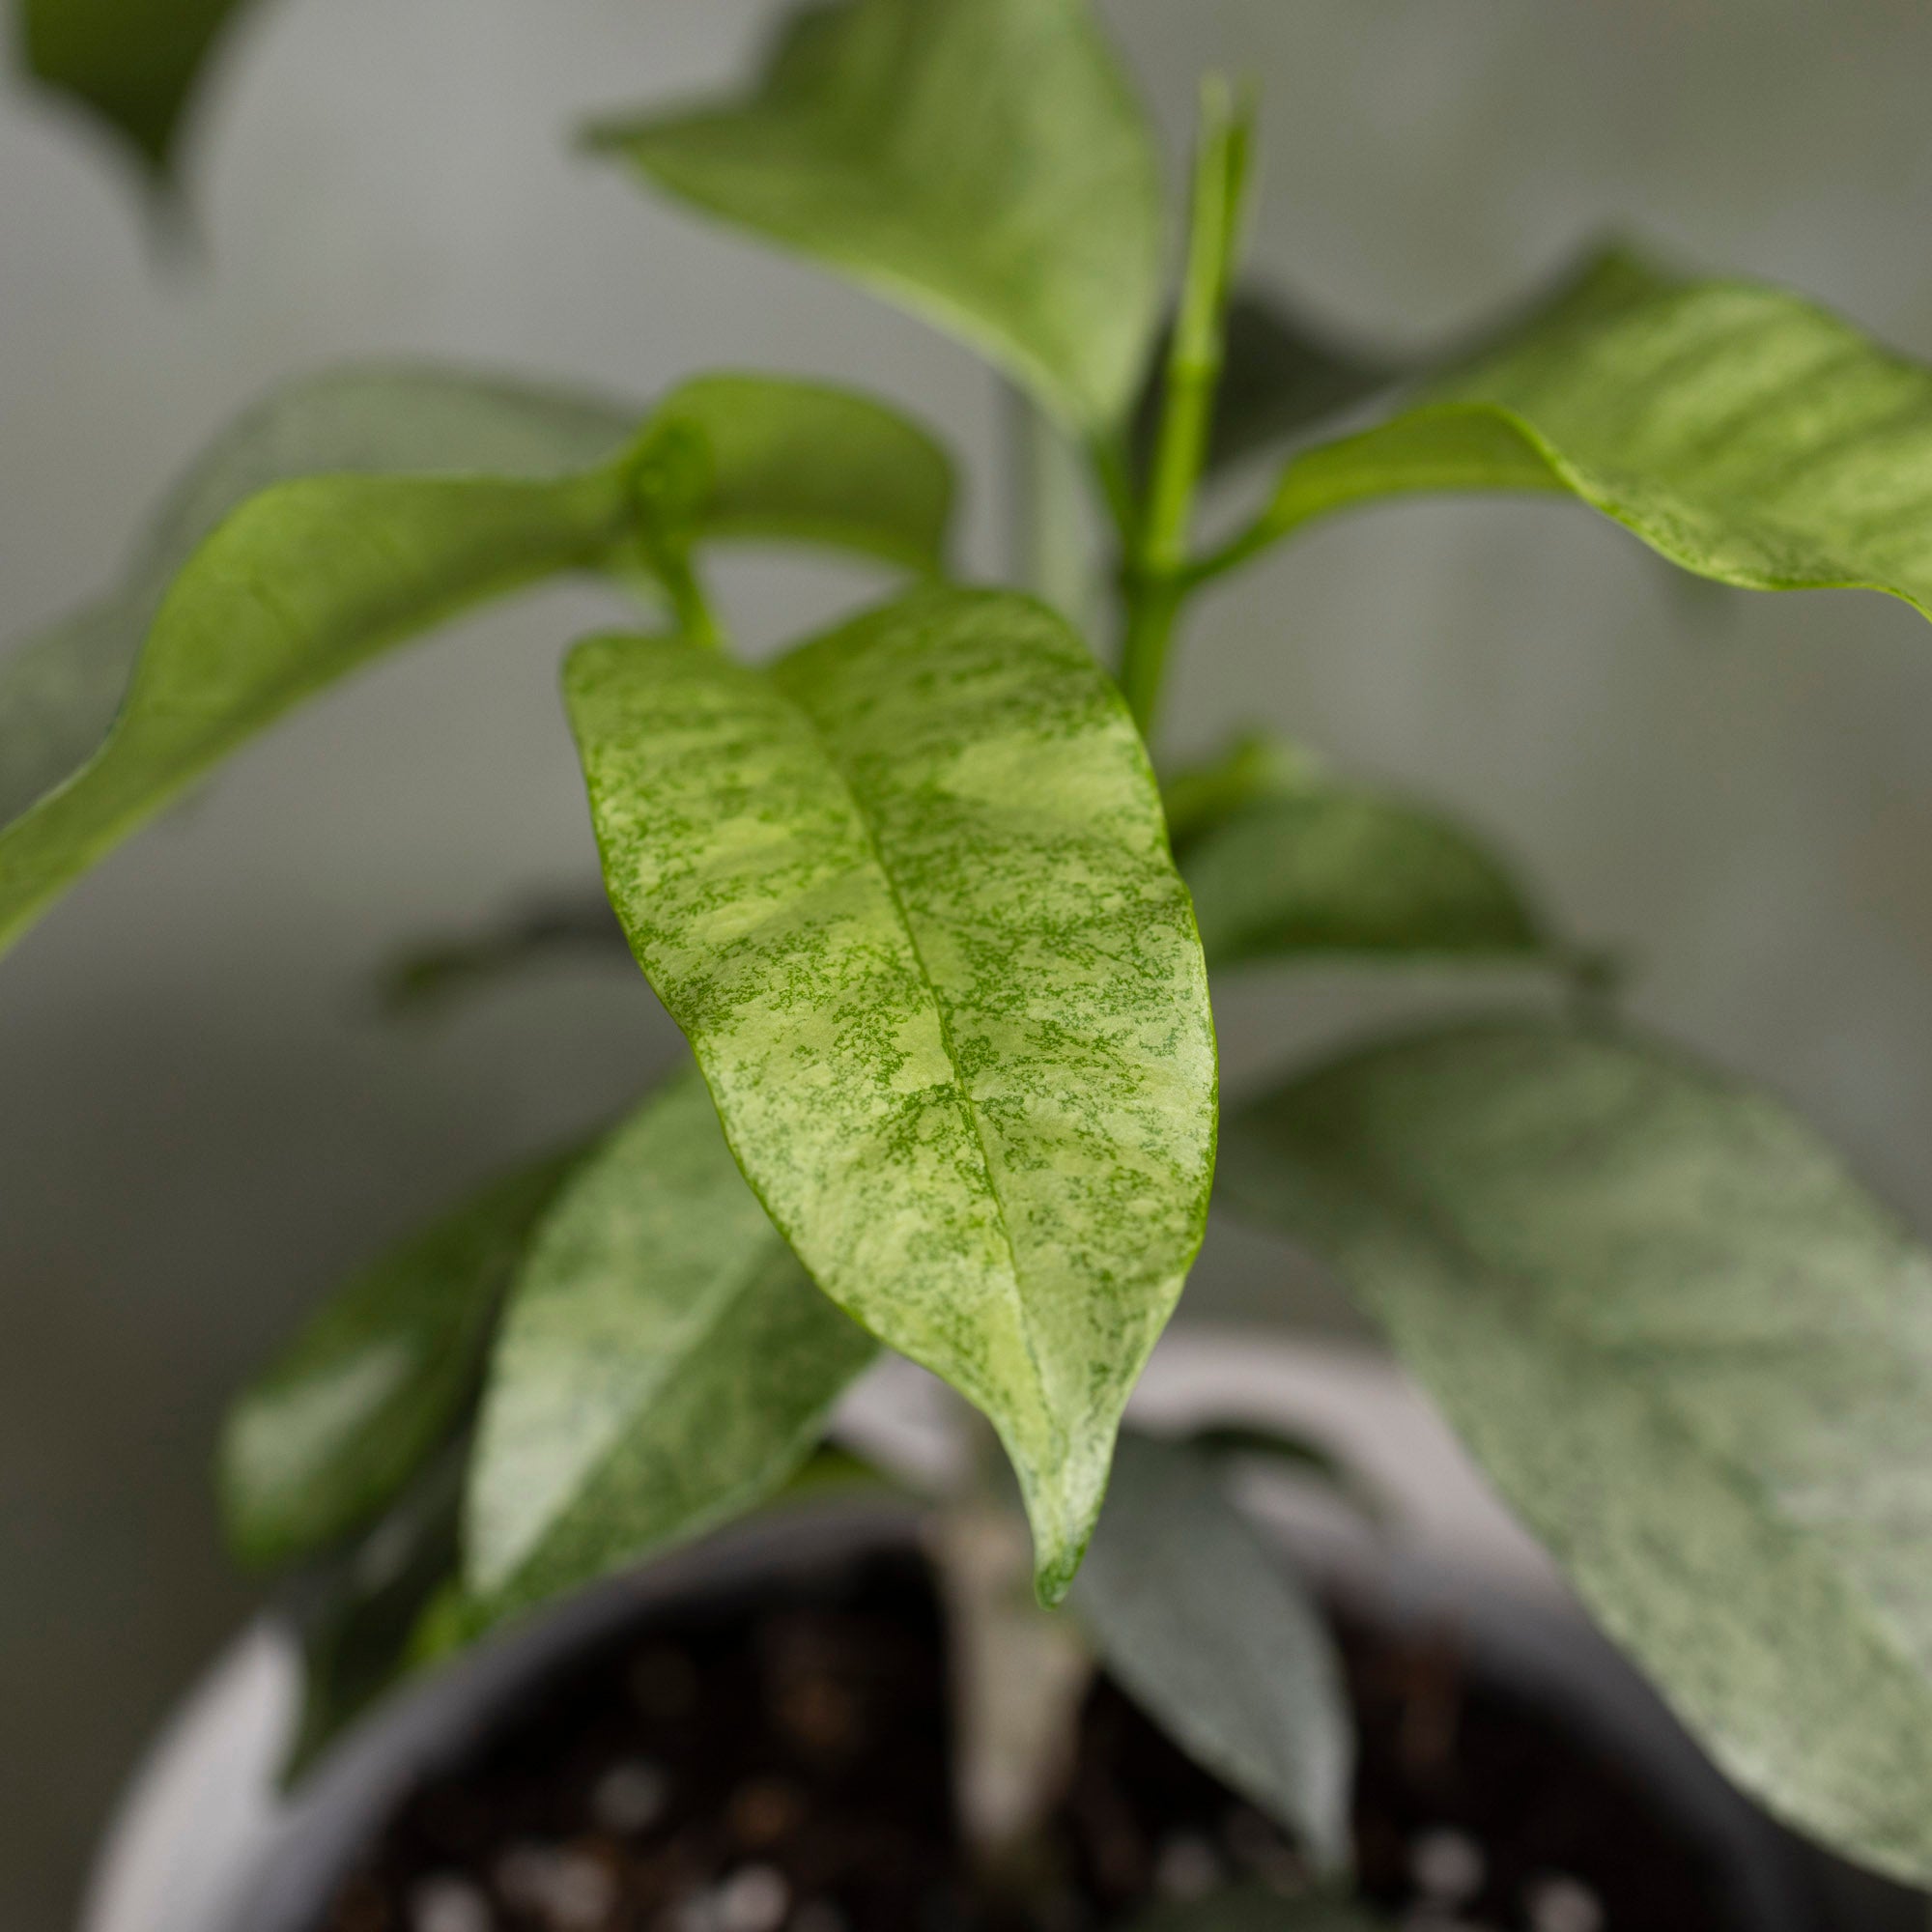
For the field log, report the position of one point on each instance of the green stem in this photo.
(1156, 581)
(697, 618)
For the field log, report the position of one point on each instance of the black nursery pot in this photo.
(751, 1735)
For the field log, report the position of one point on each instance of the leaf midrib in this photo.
(926, 979)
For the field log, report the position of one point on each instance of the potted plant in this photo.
(937, 920)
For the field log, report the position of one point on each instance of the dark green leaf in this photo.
(1740, 432)
(1212, 1636)
(1335, 870)
(909, 896)
(664, 1363)
(325, 1439)
(58, 691)
(431, 974)
(1199, 797)
(985, 162)
(1283, 861)
(359, 1617)
(134, 63)
(1692, 1354)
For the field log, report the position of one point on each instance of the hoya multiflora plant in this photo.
(940, 941)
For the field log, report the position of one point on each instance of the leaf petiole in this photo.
(1157, 578)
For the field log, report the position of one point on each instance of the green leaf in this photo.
(1254, 1908)
(1693, 1355)
(361, 1617)
(325, 1439)
(1338, 870)
(1740, 432)
(909, 896)
(255, 593)
(431, 975)
(1209, 1632)
(59, 690)
(800, 463)
(133, 63)
(305, 583)
(664, 1364)
(1284, 860)
(985, 162)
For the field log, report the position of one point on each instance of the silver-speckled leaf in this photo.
(1691, 1351)
(1211, 1633)
(662, 1363)
(985, 162)
(908, 893)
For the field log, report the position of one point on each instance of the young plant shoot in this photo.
(934, 933)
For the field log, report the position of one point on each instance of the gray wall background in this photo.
(202, 1125)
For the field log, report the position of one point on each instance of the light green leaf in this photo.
(800, 463)
(254, 593)
(134, 63)
(302, 583)
(59, 690)
(985, 162)
(324, 1439)
(909, 896)
(1740, 432)
(1338, 870)
(1692, 1354)
(1254, 1908)
(664, 1364)
(1213, 1636)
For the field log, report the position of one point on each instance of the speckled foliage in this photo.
(665, 1363)
(909, 896)
(1744, 434)
(1691, 1351)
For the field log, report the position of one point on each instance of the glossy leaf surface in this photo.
(909, 896)
(133, 63)
(59, 690)
(326, 1436)
(664, 1363)
(985, 162)
(1692, 1353)
(1212, 1636)
(1742, 433)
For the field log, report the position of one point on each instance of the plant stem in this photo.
(696, 619)
(1156, 581)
